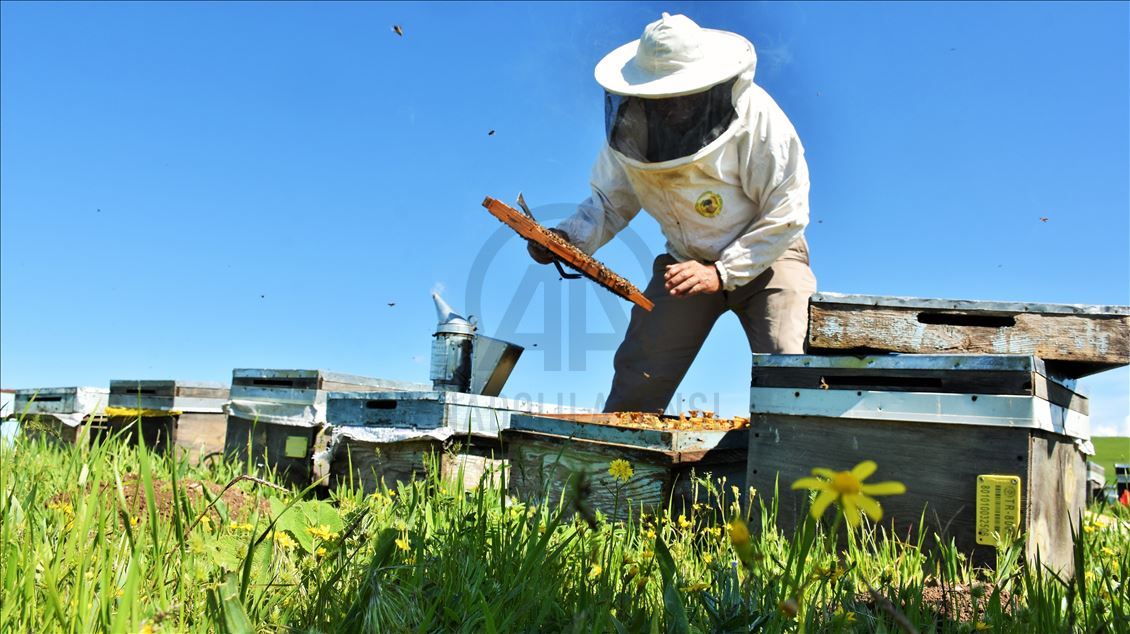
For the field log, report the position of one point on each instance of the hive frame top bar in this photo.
(965, 304)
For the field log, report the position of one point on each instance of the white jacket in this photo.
(739, 202)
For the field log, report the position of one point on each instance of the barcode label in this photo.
(998, 508)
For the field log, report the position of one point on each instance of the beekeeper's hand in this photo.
(540, 254)
(692, 278)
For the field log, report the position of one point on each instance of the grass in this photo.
(1110, 450)
(113, 538)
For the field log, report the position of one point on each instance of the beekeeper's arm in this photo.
(611, 207)
(775, 177)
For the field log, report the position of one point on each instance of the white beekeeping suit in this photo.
(709, 154)
(756, 168)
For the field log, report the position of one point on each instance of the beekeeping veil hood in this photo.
(672, 92)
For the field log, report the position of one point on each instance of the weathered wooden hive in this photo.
(64, 414)
(1073, 340)
(275, 417)
(569, 456)
(168, 413)
(988, 446)
(394, 436)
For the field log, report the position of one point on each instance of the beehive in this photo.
(570, 456)
(394, 436)
(275, 417)
(167, 413)
(1073, 340)
(963, 432)
(62, 414)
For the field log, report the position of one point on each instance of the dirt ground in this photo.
(240, 503)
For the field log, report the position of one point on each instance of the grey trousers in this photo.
(660, 345)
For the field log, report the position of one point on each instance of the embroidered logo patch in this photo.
(708, 205)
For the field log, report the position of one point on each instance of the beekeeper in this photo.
(704, 150)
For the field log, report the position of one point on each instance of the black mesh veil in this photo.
(657, 130)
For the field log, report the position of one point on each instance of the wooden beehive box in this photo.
(570, 455)
(62, 414)
(168, 413)
(938, 423)
(394, 436)
(276, 417)
(1073, 340)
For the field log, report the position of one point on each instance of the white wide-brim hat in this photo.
(674, 57)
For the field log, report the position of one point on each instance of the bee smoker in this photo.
(463, 361)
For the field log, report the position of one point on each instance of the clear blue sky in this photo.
(193, 187)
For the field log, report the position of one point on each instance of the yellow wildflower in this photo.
(848, 490)
(402, 543)
(684, 523)
(320, 552)
(646, 555)
(242, 527)
(322, 532)
(714, 531)
(707, 558)
(650, 533)
(284, 541)
(739, 533)
(621, 470)
(848, 617)
(697, 587)
(698, 506)
(64, 507)
(981, 626)
(146, 628)
(134, 520)
(1108, 551)
(595, 571)
(1089, 528)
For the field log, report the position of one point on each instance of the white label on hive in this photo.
(998, 508)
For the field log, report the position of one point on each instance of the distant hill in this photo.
(1109, 450)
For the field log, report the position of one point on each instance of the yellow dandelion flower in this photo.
(284, 541)
(739, 533)
(322, 532)
(620, 470)
(402, 543)
(650, 533)
(847, 489)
